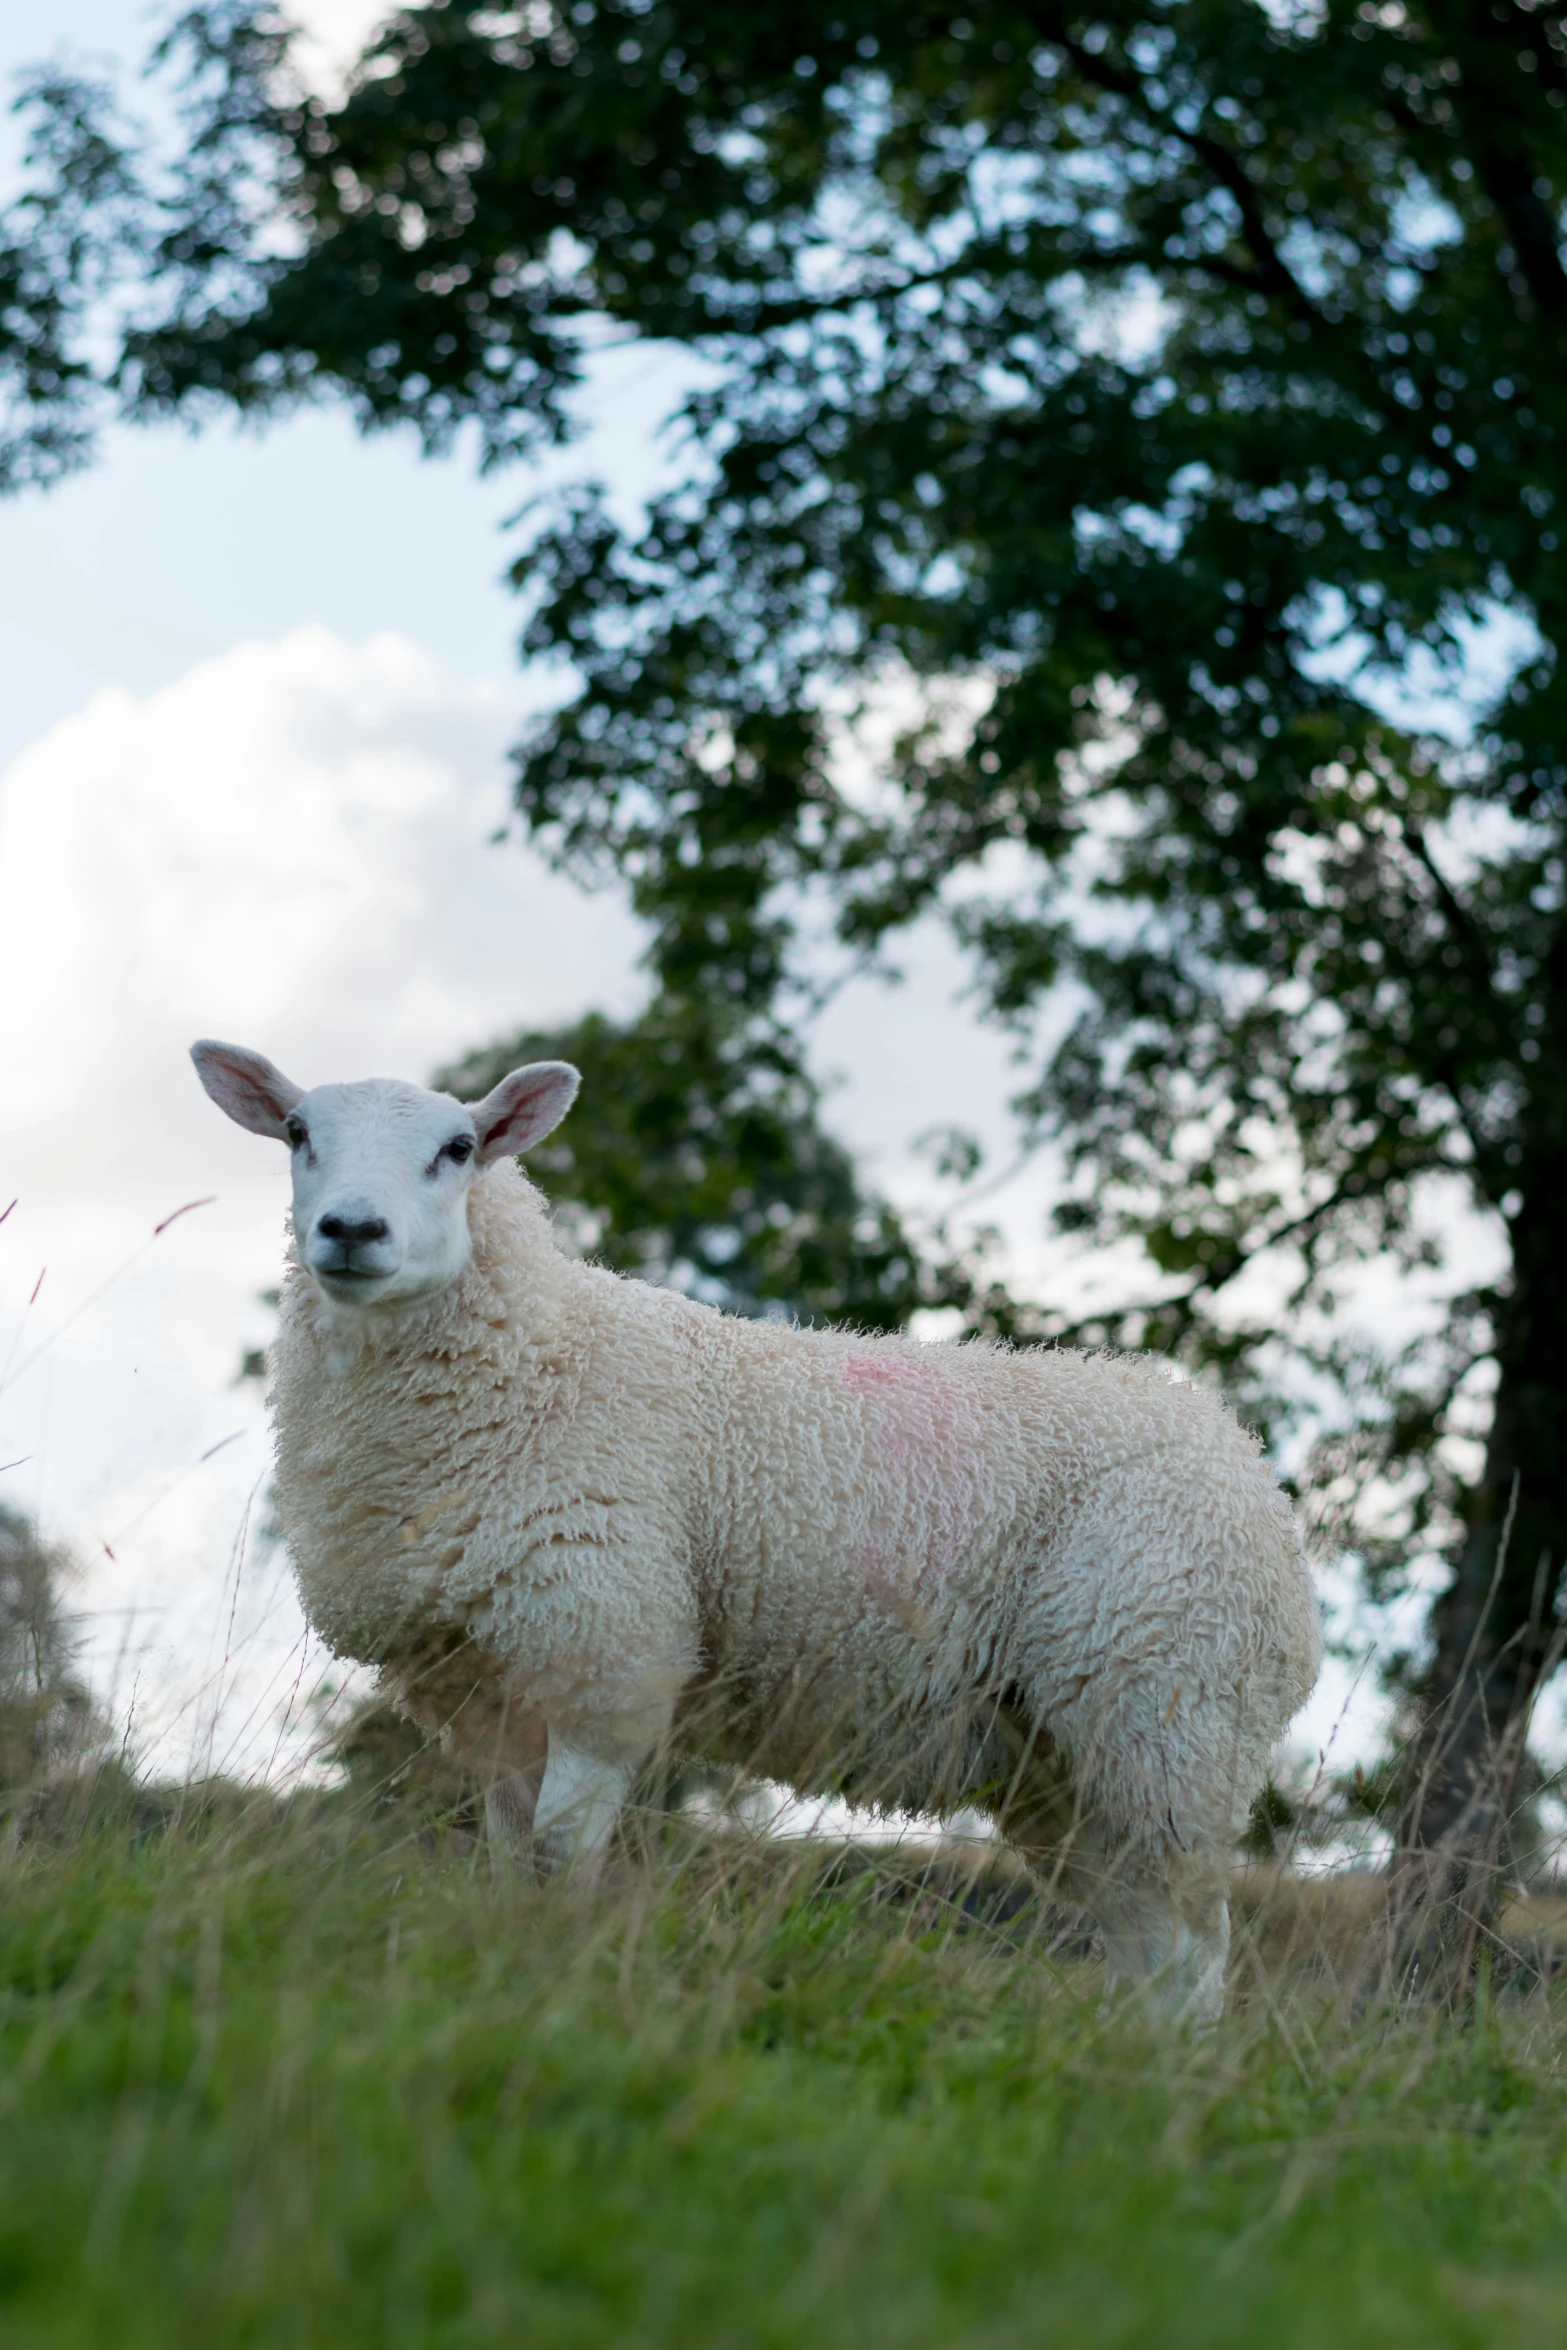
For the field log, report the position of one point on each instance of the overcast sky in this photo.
(256, 692)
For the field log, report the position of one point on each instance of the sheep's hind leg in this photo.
(1166, 1944)
(1166, 1931)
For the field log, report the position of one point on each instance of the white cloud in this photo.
(333, 34)
(290, 846)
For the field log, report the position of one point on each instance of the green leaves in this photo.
(58, 244)
(694, 1155)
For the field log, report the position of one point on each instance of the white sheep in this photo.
(576, 1520)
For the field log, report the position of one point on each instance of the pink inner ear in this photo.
(254, 1094)
(524, 1107)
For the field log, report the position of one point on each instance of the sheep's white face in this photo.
(382, 1171)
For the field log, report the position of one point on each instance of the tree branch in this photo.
(1494, 137)
(765, 317)
(1273, 274)
(1220, 1277)
(1509, 182)
(1460, 921)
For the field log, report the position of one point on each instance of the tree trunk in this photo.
(1496, 1630)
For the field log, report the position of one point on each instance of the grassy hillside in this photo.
(274, 2080)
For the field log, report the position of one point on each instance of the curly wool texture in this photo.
(928, 1575)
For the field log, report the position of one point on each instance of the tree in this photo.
(46, 1713)
(695, 1155)
(1176, 375)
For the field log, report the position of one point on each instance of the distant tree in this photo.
(46, 1712)
(1182, 377)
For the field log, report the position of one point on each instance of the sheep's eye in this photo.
(459, 1150)
(294, 1128)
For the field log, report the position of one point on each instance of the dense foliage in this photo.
(1176, 382)
(695, 1155)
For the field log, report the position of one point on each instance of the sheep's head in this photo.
(382, 1171)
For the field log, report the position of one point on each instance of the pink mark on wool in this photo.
(879, 1560)
(902, 1373)
(919, 1417)
(914, 1434)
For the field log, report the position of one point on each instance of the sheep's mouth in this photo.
(347, 1280)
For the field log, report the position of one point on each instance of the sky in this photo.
(256, 694)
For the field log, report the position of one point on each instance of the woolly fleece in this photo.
(1062, 1586)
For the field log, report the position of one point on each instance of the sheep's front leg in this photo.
(1166, 1929)
(1169, 1952)
(578, 1806)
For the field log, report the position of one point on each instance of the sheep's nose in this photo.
(347, 1235)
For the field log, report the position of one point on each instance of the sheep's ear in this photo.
(523, 1108)
(246, 1085)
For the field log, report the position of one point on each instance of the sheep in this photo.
(576, 1521)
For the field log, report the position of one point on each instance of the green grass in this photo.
(278, 2084)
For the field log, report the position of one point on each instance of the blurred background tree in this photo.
(695, 1155)
(1157, 404)
(47, 1716)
